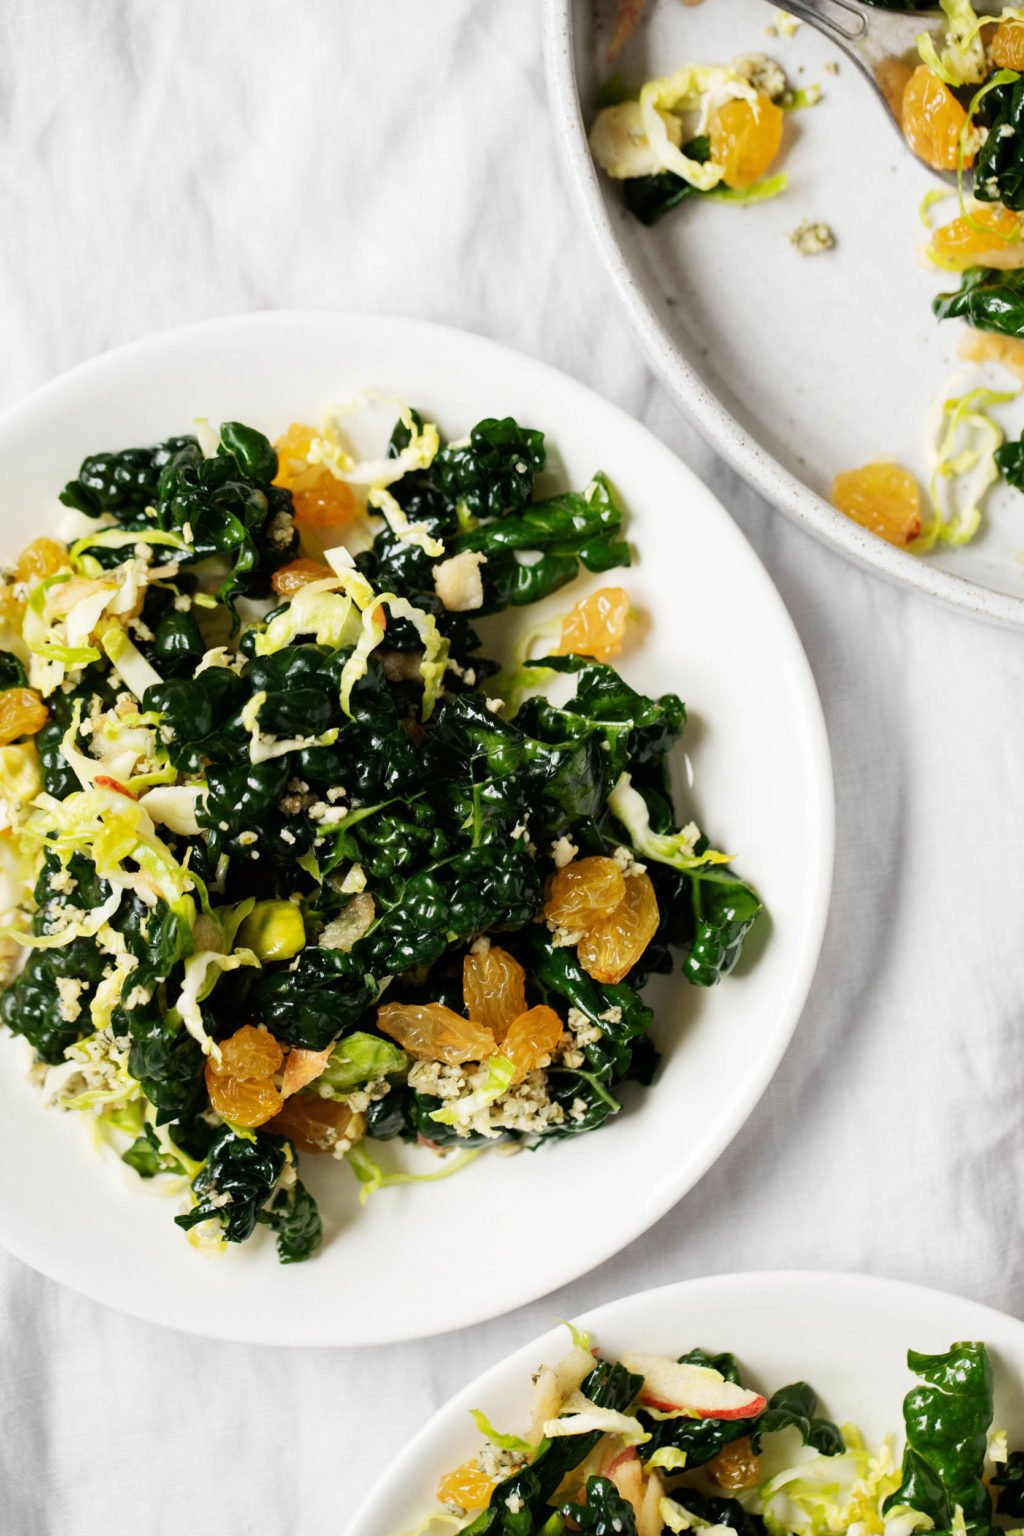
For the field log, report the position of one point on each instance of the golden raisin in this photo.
(431, 1032)
(933, 121)
(584, 892)
(292, 449)
(745, 138)
(612, 947)
(989, 235)
(1007, 46)
(327, 503)
(11, 607)
(250, 1054)
(248, 1102)
(494, 988)
(467, 1487)
(315, 1124)
(531, 1040)
(883, 498)
(22, 713)
(596, 625)
(735, 1466)
(42, 558)
(291, 578)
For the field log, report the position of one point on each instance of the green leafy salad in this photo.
(291, 868)
(645, 1445)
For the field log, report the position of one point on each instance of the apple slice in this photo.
(694, 1389)
(303, 1068)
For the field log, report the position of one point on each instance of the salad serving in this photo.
(646, 1444)
(294, 867)
(716, 131)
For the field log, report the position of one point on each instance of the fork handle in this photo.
(839, 19)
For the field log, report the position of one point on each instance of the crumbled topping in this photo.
(495, 1462)
(69, 990)
(458, 582)
(627, 862)
(812, 238)
(767, 77)
(564, 938)
(563, 852)
(279, 530)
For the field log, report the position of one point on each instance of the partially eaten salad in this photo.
(715, 132)
(291, 868)
(645, 1444)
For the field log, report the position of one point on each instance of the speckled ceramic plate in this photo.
(846, 1334)
(793, 367)
(90, 1223)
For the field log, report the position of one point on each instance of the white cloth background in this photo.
(166, 160)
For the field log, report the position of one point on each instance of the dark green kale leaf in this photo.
(988, 299)
(999, 168)
(166, 1061)
(564, 532)
(1010, 463)
(122, 484)
(493, 473)
(604, 1511)
(1009, 1479)
(323, 994)
(725, 910)
(229, 507)
(12, 673)
(726, 1513)
(631, 728)
(947, 1422)
(649, 198)
(794, 1407)
(247, 1170)
(294, 1218)
(226, 505)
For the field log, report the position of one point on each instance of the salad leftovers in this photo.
(716, 131)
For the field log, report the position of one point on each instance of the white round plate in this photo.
(848, 1335)
(759, 779)
(793, 367)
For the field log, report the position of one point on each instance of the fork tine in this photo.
(840, 19)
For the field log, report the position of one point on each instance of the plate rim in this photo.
(759, 468)
(819, 901)
(828, 1284)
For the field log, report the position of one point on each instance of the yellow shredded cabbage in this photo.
(964, 467)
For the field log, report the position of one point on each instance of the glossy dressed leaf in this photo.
(604, 1512)
(999, 169)
(493, 473)
(947, 1421)
(248, 1171)
(794, 1407)
(725, 910)
(293, 1216)
(1009, 1479)
(988, 299)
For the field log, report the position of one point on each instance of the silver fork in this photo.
(878, 42)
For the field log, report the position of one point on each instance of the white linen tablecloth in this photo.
(164, 162)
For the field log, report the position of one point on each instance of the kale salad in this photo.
(645, 1445)
(293, 867)
(714, 132)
